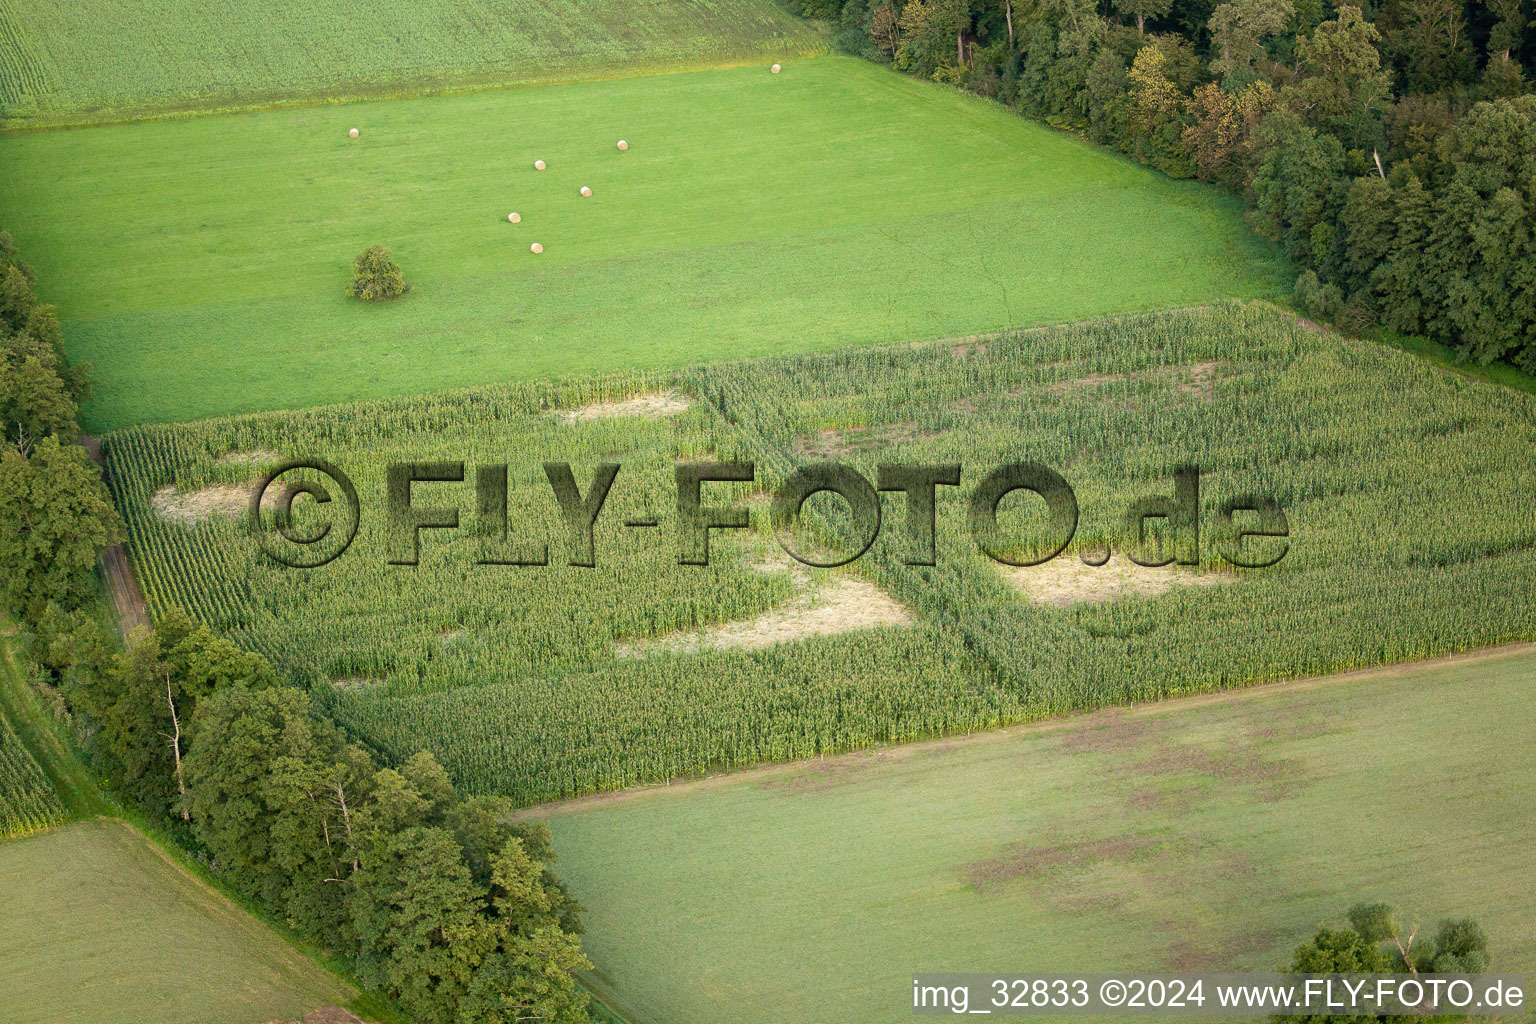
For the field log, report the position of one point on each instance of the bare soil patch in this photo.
(127, 598)
(654, 405)
(1190, 953)
(1065, 580)
(1033, 861)
(1112, 733)
(1275, 778)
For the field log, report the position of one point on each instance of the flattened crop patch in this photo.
(1065, 581)
(840, 606)
(654, 405)
(193, 507)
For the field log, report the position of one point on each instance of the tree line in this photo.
(1379, 940)
(1389, 146)
(440, 901)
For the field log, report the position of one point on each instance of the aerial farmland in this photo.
(762, 510)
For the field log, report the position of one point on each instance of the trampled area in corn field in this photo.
(555, 680)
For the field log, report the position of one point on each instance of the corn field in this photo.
(1407, 492)
(27, 799)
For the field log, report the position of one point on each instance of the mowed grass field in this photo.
(100, 928)
(64, 61)
(200, 265)
(1210, 834)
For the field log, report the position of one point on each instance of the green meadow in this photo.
(67, 61)
(101, 928)
(1213, 834)
(199, 265)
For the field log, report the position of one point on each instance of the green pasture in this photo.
(1411, 535)
(67, 61)
(1212, 835)
(199, 265)
(102, 928)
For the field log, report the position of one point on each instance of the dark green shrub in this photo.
(1317, 300)
(377, 276)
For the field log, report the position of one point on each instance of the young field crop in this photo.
(1208, 835)
(200, 266)
(548, 681)
(64, 61)
(27, 799)
(101, 928)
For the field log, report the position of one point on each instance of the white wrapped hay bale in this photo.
(538, 165)
(353, 133)
(623, 145)
(585, 191)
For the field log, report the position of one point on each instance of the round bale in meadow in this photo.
(538, 165)
(623, 145)
(514, 217)
(353, 133)
(775, 69)
(535, 248)
(585, 191)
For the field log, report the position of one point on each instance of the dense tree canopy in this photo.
(55, 517)
(39, 390)
(55, 514)
(1388, 146)
(1378, 941)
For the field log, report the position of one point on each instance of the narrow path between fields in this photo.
(127, 598)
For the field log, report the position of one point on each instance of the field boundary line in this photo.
(223, 905)
(1058, 723)
(116, 570)
(65, 772)
(390, 93)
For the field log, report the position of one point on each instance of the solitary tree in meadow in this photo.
(377, 276)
